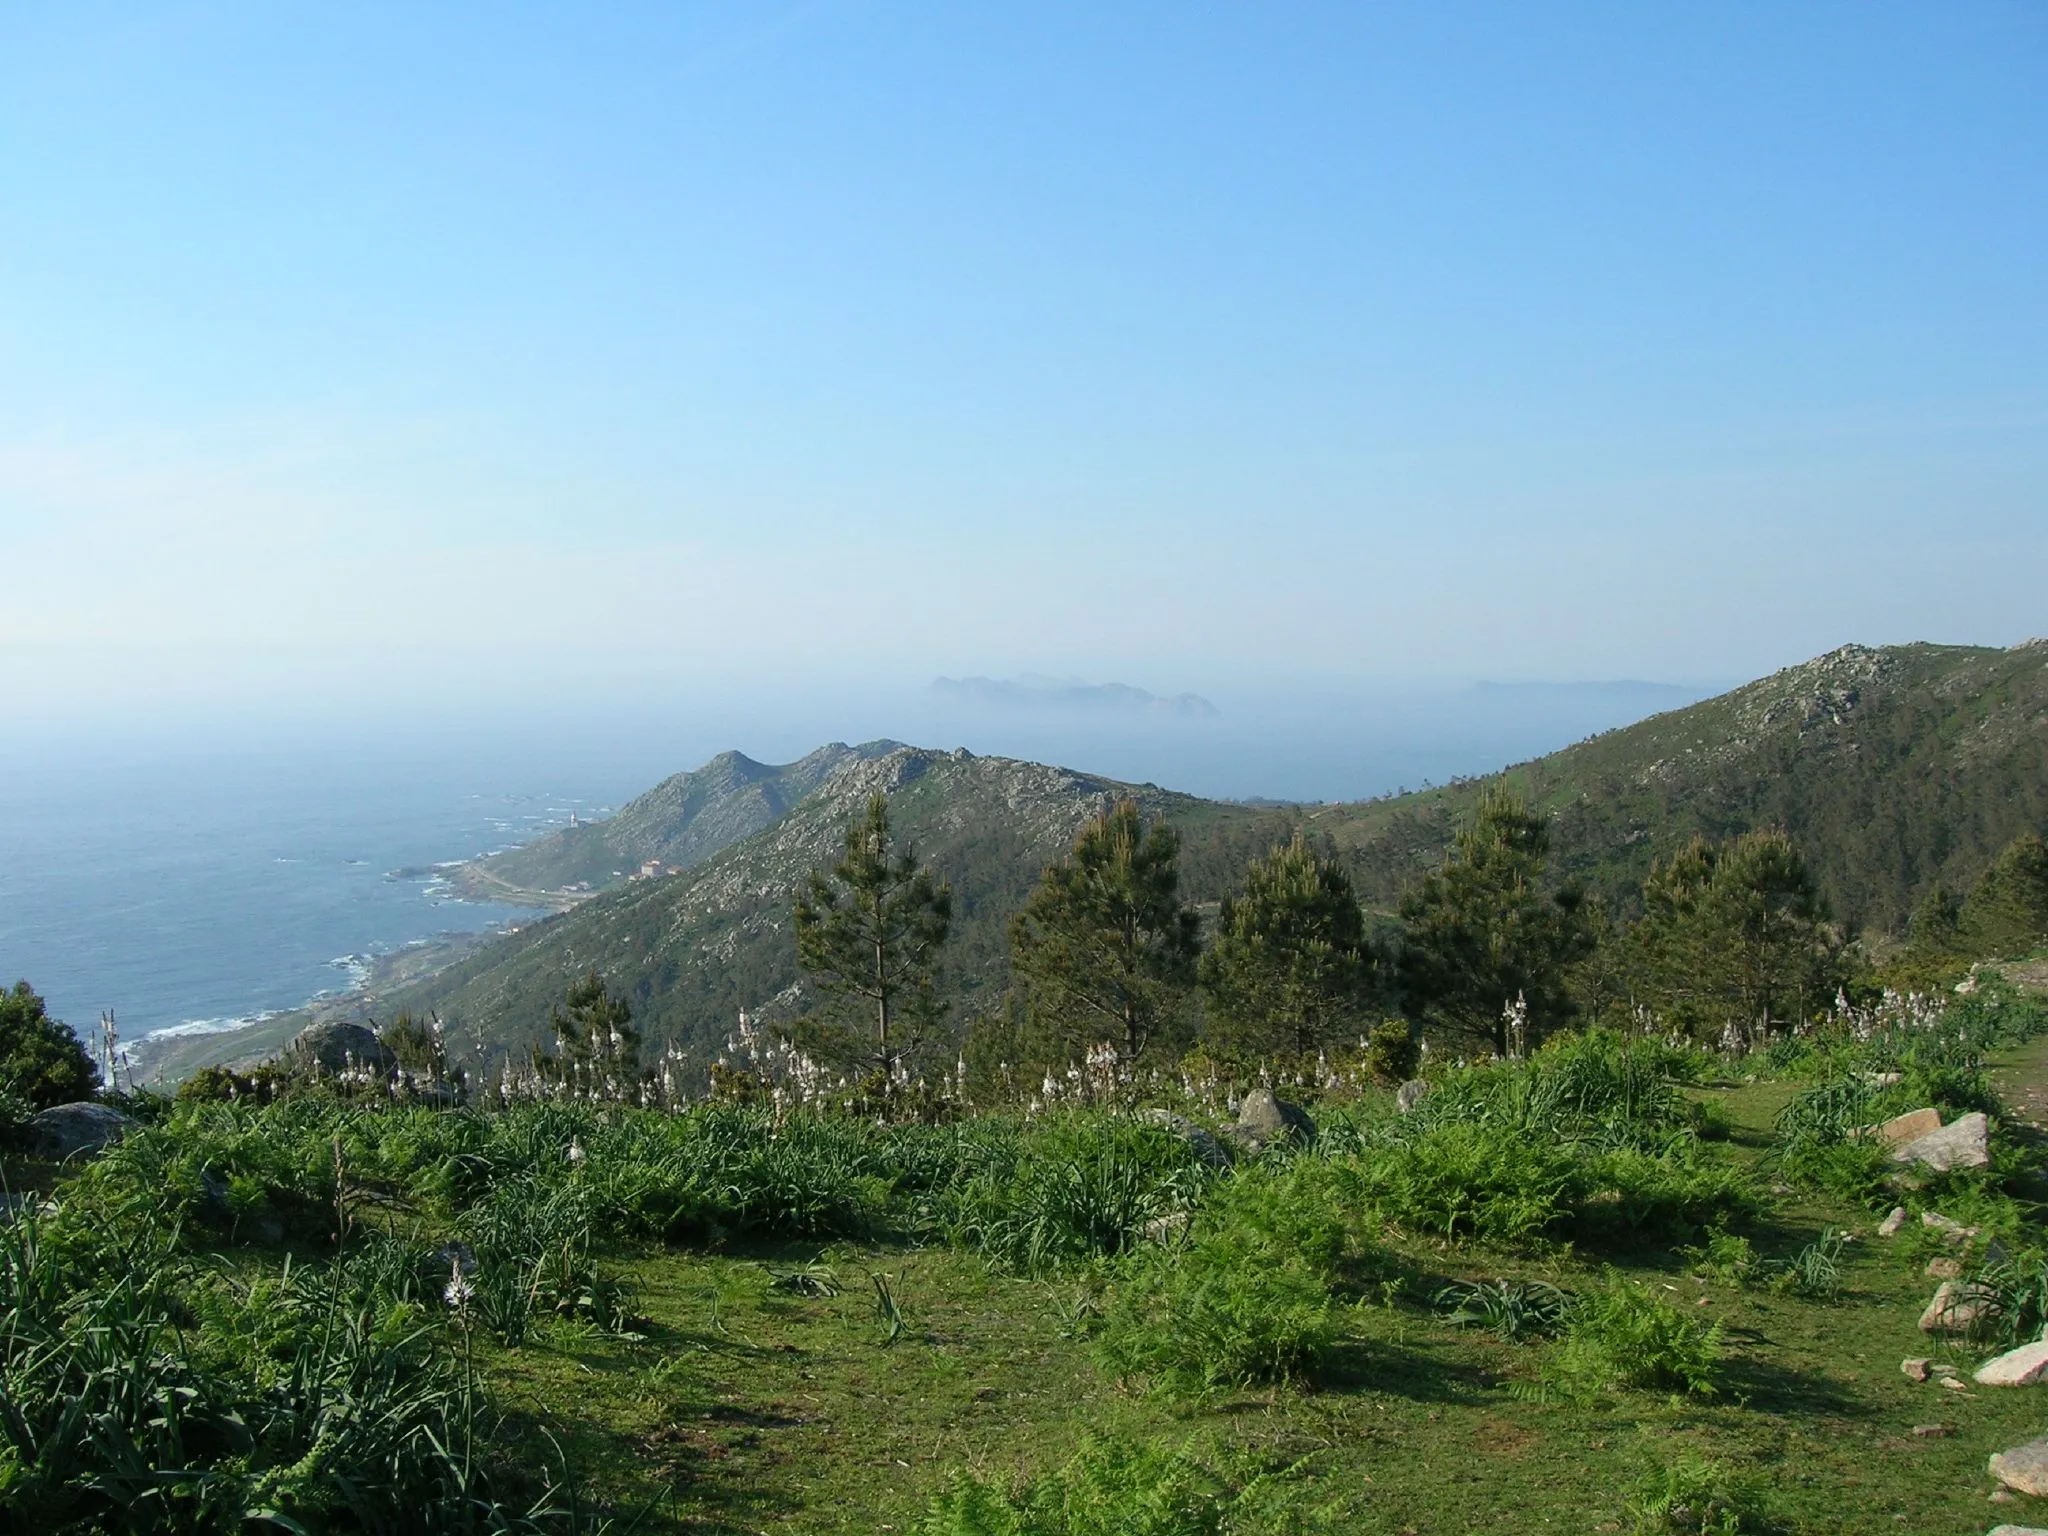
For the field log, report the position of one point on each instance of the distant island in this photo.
(1030, 691)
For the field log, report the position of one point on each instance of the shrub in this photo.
(1114, 1490)
(1246, 1298)
(1463, 1178)
(1621, 1334)
(1081, 1187)
(1694, 1497)
(1392, 1052)
(41, 1060)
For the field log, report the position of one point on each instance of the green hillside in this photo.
(694, 949)
(681, 822)
(1892, 768)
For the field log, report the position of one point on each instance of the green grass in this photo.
(688, 1387)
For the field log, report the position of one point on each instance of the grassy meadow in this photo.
(1621, 1286)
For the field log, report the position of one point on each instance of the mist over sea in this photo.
(198, 878)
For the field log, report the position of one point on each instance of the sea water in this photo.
(192, 890)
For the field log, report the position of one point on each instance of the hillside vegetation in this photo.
(1893, 770)
(681, 822)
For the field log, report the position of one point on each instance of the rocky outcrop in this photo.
(73, 1130)
(1964, 1143)
(1265, 1119)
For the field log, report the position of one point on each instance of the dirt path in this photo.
(2022, 1075)
(2022, 1079)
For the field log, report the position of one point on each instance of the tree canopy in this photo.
(869, 938)
(41, 1060)
(1289, 971)
(1104, 949)
(1482, 935)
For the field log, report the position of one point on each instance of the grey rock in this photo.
(1914, 1369)
(1963, 1143)
(2024, 1467)
(1889, 1227)
(1909, 1127)
(1933, 1431)
(1410, 1094)
(336, 1045)
(1204, 1141)
(70, 1129)
(2017, 1530)
(1264, 1119)
(1955, 1307)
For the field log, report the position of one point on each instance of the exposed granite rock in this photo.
(2021, 1367)
(66, 1130)
(1264, 1119)
(1964, 1143)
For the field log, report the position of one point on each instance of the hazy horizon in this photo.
(386, 353)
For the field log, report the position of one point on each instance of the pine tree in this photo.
(2006, 912)
(1735, 934)
(1105, 950)
(869, 939)
(1289, 971)
(597, 1049)
(1481, 934)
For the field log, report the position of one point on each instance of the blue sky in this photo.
(1192, 346)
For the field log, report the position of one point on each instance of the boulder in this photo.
(1889, 1227)
(1914, 1369)
(1964, 1143)
(68, 1130)
(2017, 1530)
(2024, 1467)
(1949, 1230)
(1410, 1094)
(336, 1045)
(2021, 1367)
(1203, 1140)
(1264, 1118)
(1900, 1129)
(1954, 1308)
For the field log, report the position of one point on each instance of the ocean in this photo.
(194, 890)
